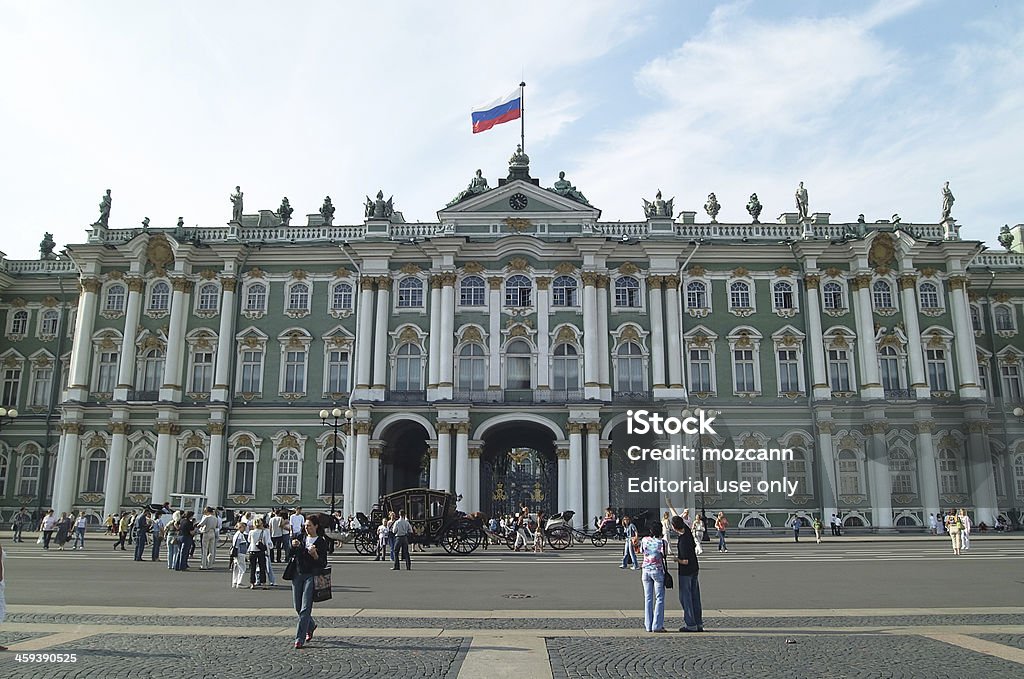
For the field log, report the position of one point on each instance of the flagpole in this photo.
(522, 116)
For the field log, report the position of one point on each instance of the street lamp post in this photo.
(7, 416)
(333, 418)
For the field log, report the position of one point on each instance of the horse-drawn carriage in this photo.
(434, 518)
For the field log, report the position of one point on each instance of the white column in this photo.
(171, 389)
(374, 477)
(915, 352)
(364, 343)
(563, 480)
(603, 364)
(594, 507)
(444, 456)
(126, 367)
(433, 465)
(881, 482)
(827, 459)
(446, 386)
(819, 380)
(113, 486)
(927, 469)
(433, 363)
(162, 465)
(361, 474)
(966, 353)
(215, 465)
(591, 339)
(543, 332)
(380, 336)
(606, 498)
(673, 333)
(474, 502)
(870, 381)
(982, 482)
(66, 478)
(348, 472)
(78, 371)
(494, 330)
(462, 471)
(225, 341)
(656, 338)
(574, 483)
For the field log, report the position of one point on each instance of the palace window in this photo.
(901, 472)
(407, 368)
(565, 368)
(976, 319)
(193, 477)
(202, 371)
(208, 298)
(115, 298)
(294, 372)
(151, 369)
(96, 472)
(472, 368)
(929, 294)
(518, 291)
(832, 293)
(627, 292)
(48, 323)
(563, 292)
(334, 474)
(252, 371)
(287, 473)
(256, 297)
(849, 473)
(341, 297)
(983, 378)
(298, 297)
(630, 361)
(42, 376)
(889, 368)
(881, 294)
(19, 322)
(140, 474)
(752, 473)
(950, 478)
(518, 365)
(106, 372)
(937, 378)
(472, 291)
(700, 371)
(744, 368)
(789, 370)
(1011, 382)
(839, 370)
(696, 295)
(1018, 474)
(160, 296)
(29, 483)
(797, 472)
(245, 473)
(3, 474)
(11, 387)
(337, 372)
(783, 295)
(1004, 318)
(410, 293)
(739, 295)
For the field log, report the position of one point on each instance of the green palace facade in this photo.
(496, 351)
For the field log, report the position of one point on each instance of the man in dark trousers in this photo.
(142, 528)
(402, 529)
(689, 587)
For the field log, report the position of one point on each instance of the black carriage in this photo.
(434, 518)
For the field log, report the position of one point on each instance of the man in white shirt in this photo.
(402, 529)
(276, 536)
(296, 522)
(206, 528)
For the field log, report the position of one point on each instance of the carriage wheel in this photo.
(461, 539)
(365, 544)
(559, 538)
(599, 539)
(510, 541)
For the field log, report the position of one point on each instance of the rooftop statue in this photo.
(1005, 237)
(659, 207)
(181, 222)
(754, 208)
(284, 212)
(801, 202)
(105, 201)
(564, 188)
(860, 218)
(327, 211)
(236, 205)
(712, 207)
(896, 219)
(379, 209)
(519, 158)
(46, 247)
(947, 201)
(145, 223)
(477, 185)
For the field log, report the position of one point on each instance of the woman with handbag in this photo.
(653, 549)
(239, 554)
(259, 550)
(308, 559)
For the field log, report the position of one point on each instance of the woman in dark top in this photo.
(186, 529)
(310, 555)
(689, 588)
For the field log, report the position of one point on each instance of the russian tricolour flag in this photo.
(502, 110)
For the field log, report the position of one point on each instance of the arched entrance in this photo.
(518, 466)
(404, 460)
(642, 507)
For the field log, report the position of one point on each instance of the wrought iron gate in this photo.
(515, 477)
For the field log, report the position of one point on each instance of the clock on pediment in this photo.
(518, 201)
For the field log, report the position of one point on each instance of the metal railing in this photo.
(398, 396)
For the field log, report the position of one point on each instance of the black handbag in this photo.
(669, 583)
(289, 570)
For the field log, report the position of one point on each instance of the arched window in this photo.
(194, 463)
(29, 484)
(410, 293)
(797, 471)
(929, 296)
(1004, 318)
(160, 296)
(739, 295)
(472, 368)
(1018, 474)
(881, 293)
(256, 297)
(901, 472)
(849, 473)
(334, 474)
(563, 291)
(938, 379)
(472, 291)
(96, 472)
(245, 473)
(152, 369)
(341, 297)
(298, 297)
(630, 362)
(115, 298)
(976, 319)
(783, 294)
(627, 292)
(48, 322)
(696, 295)
(997, 476)
(753, 472)
(518, 364)
(950, 481)
(209, 296)
(407, 368)
(518, 291)
(832, 293)
(565, 372)
(19, 323)
(140, 474)
(3, 475)
(889, 368)
(287, 473)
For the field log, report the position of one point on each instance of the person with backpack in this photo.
(954, 526)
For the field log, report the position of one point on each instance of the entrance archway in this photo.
(518, 466)
(404, 460)
(641, 507)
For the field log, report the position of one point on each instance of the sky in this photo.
(171, 105)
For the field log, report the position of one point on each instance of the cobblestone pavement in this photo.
(8, 638)
(110, 656)
(811, 657)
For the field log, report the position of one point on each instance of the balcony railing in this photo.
(406, 396)
(899, 395)
(631, 396)
(144, 395)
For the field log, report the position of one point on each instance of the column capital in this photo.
(811, 281)
(448, 279)
(494, 282)
(90, 284)
(475, 452)
(461, 428)
(671, 282)
(861, 280)
(606, 452)
(562, 454)
(366, 283)
(383, 282)
(827, 427)
(958, 282)
(589, 278)
(876, 427)
(978, 426)
(119, 428)
(362, 428)
(375, 452)
(925, 426)
(216, 428)
(655, 283)
(181, 284)
(543, 282)
(576, 427)
(136, 283)
(432, 452)
(907, 281)
(602, 281)
(164, 428)
(229, 283)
